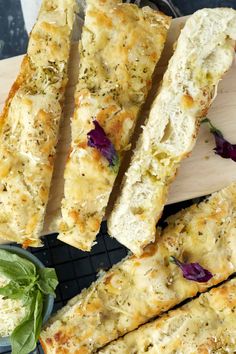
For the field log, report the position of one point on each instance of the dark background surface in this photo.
(13, 37)
(76, 269)
(187, 7)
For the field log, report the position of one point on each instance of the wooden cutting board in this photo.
(201, 174)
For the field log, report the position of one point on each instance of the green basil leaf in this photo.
(25, 336)
(38, 310)
(12, 291)
(26, 298)
(8, 268)
(48, 281)
(18, 289)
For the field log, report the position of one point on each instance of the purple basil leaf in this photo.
(223, 147)
(193, 271)
(98, 139)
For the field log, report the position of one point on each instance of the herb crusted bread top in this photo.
(204, 325)
(119, 49)
(29, 124)
(138, 289)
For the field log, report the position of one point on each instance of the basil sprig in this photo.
(30, 285)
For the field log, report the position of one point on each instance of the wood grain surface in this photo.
(200, 174)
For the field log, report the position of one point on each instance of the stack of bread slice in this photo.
(138, 289)
(119, 49)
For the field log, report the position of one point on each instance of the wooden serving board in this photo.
(201, 174)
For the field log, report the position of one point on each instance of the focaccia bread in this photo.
(29, 124)
(204, 52)
(138, 289)
(119, 49)
(205, 325)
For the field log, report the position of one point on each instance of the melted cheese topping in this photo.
(204, 52)
(137, 289)
(205, 325)
(12, 312)
(29, 125)
(119, 49)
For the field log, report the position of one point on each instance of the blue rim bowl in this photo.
(49, 299)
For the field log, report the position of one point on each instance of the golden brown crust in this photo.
(29, 125)
(119, 49)
(15, 87)
(204, 325)
(138, 289)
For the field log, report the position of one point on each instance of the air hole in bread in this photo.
(167, 132)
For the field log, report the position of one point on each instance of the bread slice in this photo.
(204, 52)
(29, 125)
(119, 49)
(204, 325)
(138, 289)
